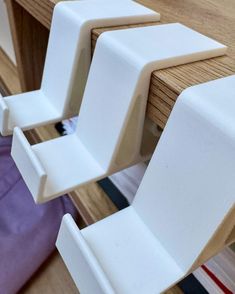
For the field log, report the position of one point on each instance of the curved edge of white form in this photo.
(35, 177)
(92, 278)
(134, 246)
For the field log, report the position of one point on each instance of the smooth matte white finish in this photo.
(123, 250)
(111, 122)
(67, 62)
(186, 193)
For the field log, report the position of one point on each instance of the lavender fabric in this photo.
(27, 231)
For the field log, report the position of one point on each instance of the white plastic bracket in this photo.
(184, 199)
(67, 62)
(111, 121)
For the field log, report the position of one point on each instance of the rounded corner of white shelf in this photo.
(92, 278)
(25, 110)
(48, 173)
(28, 164)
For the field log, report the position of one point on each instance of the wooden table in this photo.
(30, 22)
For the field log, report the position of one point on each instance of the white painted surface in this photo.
(123, 250)
(194, 169)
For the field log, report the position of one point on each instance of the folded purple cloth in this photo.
(27, 231)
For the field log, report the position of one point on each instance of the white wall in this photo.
(5, 35)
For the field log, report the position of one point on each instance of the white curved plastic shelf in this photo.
(149, 246)
(123, 250)
(111, 123)
(67, 61)
(72, 168)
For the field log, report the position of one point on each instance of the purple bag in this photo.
(27, 231)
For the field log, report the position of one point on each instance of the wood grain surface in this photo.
(30, 40)
(8, 75)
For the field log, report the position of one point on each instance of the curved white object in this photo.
(111, 121)
(67, 62)
(185, 195)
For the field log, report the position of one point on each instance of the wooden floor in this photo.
(9, 80)
(52, 277)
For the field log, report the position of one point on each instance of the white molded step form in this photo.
(111, 120)
(186, 193)
(67, 61)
